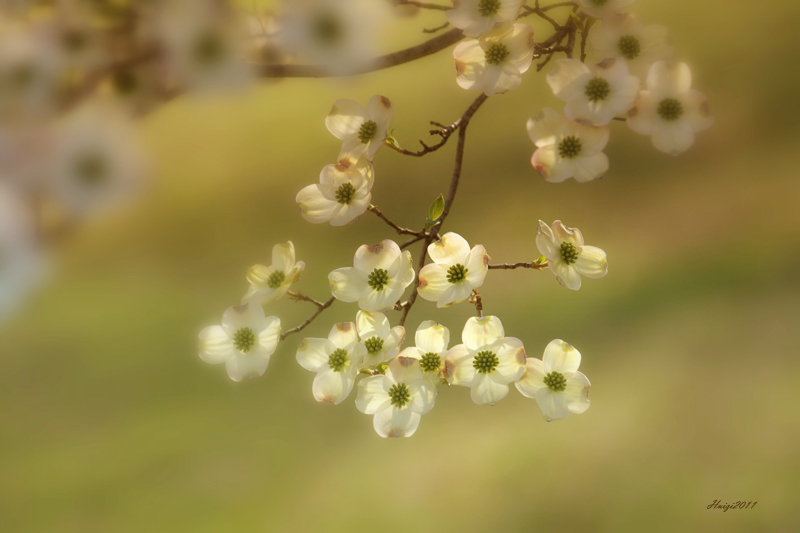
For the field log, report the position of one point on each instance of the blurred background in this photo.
(111, 422)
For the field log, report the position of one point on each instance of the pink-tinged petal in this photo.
(381, 111)
(561, 357)
(550, 165)
(533, 378)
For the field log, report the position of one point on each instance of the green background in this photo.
(110, 421)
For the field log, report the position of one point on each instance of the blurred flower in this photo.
(398, 399)
(670, 111)
(601, 8)
(342, 195)
(271, 283)
(432, 340)
(487, 361)
(495, 63)
(567, 257)
(379, 341)
(624, 36)
(378, 279)
(555, 383)
(456, 270)
(244, 342)
(361, 129)
(334, 361)
(595, 93)
(72, 38)
(475, 17)
(566, 149)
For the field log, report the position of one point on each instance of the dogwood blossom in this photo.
(244, 342)
(379, 341)
(398, 398)
(432, 340)
(487, 361)
(602, 8)
(380, 274)
(475, 17)
(670, 111)
(334, 360)
(567, 257)
(456, 270)
(595, 93)
(566, 149)
(495, 62)
(342, 194)
(555, 383)
(362, 130)
(624, 36)
(270, 283)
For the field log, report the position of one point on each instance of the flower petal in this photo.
(450, 250)
(480, 332)
(313, 354)
(565, 274)
(433, 281)
(568, 79)
(394, 422)
(404, 370)
(382, 256)
(512, 360)
(552, 404)
(215, 346)
(270, 335)
(488, 388)
(345, 118)
(592, 262)
(533, 378)
(332, 387)
(669, 79)
(561, 357)
(455, 294)
(344, 336)
(283, 256)
(577, 393)
(348, 284)
(477, 266)
(315, 207)
(422, 396)
(432, 337)
(458, 369)
(381, 111)
(243, 367)
(372, 325)
(373, 394)
(249, 315)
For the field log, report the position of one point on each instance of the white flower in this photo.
(601, 8)
(271, 283)
(625, 37)
(342, 195)
(487, 361)
(398, 399)
(495, 62)
(244, 342)
(379, 277)
(567, 257)
(670, 111)
(475, 17)
(334, 361)
(595, 93)
(555, 382)
(379, 341)
(362, 130)
(456, 270)
(432, 340)
(566, 149)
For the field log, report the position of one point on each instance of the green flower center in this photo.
(457, 273)
(244, 340)
(670, 109)
(569, 253)
(570, 147)
(208, 49)
(367, 131)
(378, 279)
(629, 47)
(337, 360)
(374, 345)
(328, 29)
(430, 362)
(485, 362)
(345, 193)
(497, 53)
(488, 8)
(399, 394)
(555, 381)
(275, 279)
(597, 89)
(91, 170)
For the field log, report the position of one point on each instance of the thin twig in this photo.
(319, 310)
(303, 298)
(511, 266)
(476, 299)
(412, 240)
(400, 230)
(445, 132)
(437, 28)
(423, 5)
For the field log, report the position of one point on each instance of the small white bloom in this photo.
(244, 342)
(566, 149)
(487, 361)
(595, 93)
(601, 8)
(334, 360)
(555, 383)
(342, 195)
(625, 37)
(475, 17)
(362, 130)
(495, 62)
(456, 270)
(379, 341)
(377, 280)
(271, 283)
(432, 340)
(567, 257)
(398, 399)
(670, 110)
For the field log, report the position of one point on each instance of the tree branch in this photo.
(319, 310)
(303, 298)
(445, 132)
(512, 266)
(423, 5)
(400, 231)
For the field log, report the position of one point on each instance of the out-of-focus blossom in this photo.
(625, 37)
(670, 111)
(379, 341)
(568, 257)
(72, 37)
(270, 283)
(342, 194)
(455, 272)
(362, 130)
(495, 62)
(334, 360)
(566, 149)
(602, 8)
(475, 17)
(431, 342)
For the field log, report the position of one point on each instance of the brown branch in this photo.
(437, 28)
(476, 299)
(412, 240)
(512, 266)
(303, 298)
(400, 230)
(423, 5)
(445, 132)
(310, 319)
